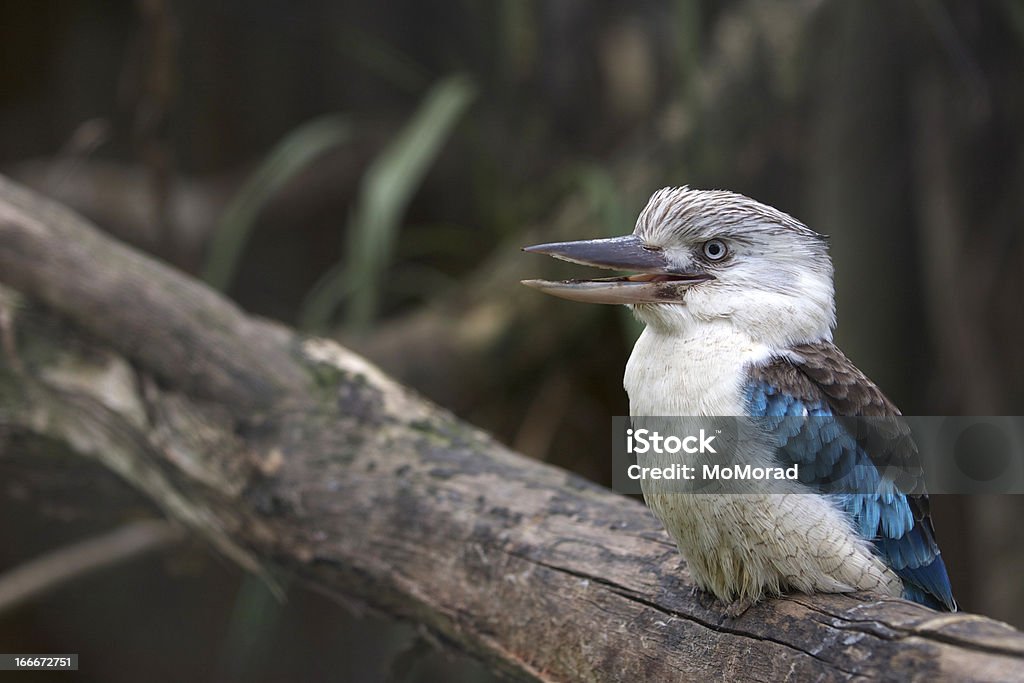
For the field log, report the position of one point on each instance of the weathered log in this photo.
(297, 454)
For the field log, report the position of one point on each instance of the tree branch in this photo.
(297, 453)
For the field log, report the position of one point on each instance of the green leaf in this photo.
(291, 155)
(387, 189)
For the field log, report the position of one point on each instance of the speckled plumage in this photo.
(818, 380)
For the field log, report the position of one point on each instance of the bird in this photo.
(737, 300)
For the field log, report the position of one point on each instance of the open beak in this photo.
(654, 281)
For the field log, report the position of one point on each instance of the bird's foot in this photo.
(705, 599)
(736, 608)
(708, 601)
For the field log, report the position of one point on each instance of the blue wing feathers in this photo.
(880, 512)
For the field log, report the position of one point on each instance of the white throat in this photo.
(698, 369)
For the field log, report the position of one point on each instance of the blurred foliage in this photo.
(386, 191)
(611, 211)
(287, 160)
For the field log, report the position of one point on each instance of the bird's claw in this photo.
(736, 608)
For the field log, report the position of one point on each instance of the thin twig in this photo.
(54, 569)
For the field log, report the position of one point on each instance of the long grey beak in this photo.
(620, 253)
(657, 281)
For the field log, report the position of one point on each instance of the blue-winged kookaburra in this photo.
(738, 303)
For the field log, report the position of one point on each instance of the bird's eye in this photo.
(715, 250)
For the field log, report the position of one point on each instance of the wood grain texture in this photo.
(294, 454)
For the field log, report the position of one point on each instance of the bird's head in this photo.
(708, 255)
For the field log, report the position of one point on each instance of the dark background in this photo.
(196, 131)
